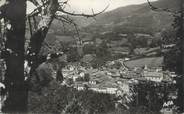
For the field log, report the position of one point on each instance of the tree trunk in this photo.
(182, 51)
(37, 39)
(180, 59)
(14, 79)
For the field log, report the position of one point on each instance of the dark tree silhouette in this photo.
(177, 53)
(13, 13)
(15, 16)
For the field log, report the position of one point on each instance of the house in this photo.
(127, 59)
(168, 46)
(123, 35)
(82, 74)
(112, 90)
(109, 90)
(125, 87)
(153, 76)
(79, 86)
(143, 35)
(93, 82)
(75, 77)
(97, 89)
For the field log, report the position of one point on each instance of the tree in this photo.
(178, 50)
(14, 53)
(15, 16)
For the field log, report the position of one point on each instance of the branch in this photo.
(3, 9)
(162, 9)
(35, 2)
(48, 12)
(38, 37)
(64, 19)
(38, 10)
(82, 14)
(70, 21)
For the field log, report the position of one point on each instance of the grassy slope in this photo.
(150, 62)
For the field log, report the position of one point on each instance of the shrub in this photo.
(61, 99)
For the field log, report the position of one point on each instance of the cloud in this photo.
(30, 7)
(86, 6)
(97, 5)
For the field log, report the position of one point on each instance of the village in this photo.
(113, 78)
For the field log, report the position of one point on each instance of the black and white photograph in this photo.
(91, 56)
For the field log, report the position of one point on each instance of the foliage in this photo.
(58, 99)
(73, 55)
(61, 99)
(152, 95)
(89, 49)
(86, 78)
(173, 60)
(172, 57)
(69, 81)
(102, 55)
(138, 110)
(102, 50)
(98, 62)
(168, 35)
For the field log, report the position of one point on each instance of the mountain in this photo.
(125, 29)
(143, 10)
(135, 18)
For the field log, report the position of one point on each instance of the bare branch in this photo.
(71, 22)
(30, 26)
(3, 9)
(93, 14)
(35, 2)
(38, 10)
(82, 14)
(38, 37)
(64, 19)
(162, 9)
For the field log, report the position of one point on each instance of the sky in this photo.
(86, 6)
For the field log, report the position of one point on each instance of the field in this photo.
(150, 62)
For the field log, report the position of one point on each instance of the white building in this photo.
(93, 82)
(112, 90)
(153, 76)
(79, 87)
(108, 90)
